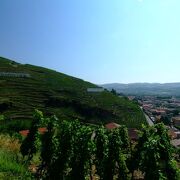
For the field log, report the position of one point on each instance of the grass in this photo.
(11, 163)
(56, 93)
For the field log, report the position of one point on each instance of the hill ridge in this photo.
(57, 93)
(164, 89)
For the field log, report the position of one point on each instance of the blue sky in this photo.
(101, 41)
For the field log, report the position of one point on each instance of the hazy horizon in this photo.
(100, 41)
(141, 83)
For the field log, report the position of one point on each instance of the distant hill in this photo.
(24, 87)
(167, 89)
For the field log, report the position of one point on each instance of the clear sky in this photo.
(101, 41)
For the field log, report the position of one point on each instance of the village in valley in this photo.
(162, 109)
(156, 109)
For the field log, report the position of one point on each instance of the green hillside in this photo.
(60, 94)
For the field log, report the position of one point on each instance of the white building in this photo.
(12, 74)
(94, 90)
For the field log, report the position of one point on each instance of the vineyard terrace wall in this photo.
(18, 75)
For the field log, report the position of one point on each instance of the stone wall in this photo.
(18, 75)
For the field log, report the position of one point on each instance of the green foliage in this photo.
(31, 144)
(115, 157)
(155, 154)
(165, 120)
(71, 150)
(63, 95)
(11, 167)
(125, 139)
(113, 91)
(82, 154)
(172, 170)
(101, 151)
(14, 126)
(63, 151)
(49, 145)
(2, 117)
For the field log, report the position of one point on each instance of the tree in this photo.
(101, 151)
(124, 139)
(31, 143)
(82, 154)
(69, 150)
(116, 160)
(49, 145)
(176, 112)
(165, 120)
(155, 154)
(113, 91)
(64, 151)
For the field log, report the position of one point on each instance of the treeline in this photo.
(71, 150)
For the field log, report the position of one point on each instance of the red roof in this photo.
(26, 132)
(172, 134)
(42, 130)
(133, 133)
(112, 125)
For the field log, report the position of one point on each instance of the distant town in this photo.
(162, 109)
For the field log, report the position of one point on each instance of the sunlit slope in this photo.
(60, 94)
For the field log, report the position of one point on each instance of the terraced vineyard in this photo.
(56, 93)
